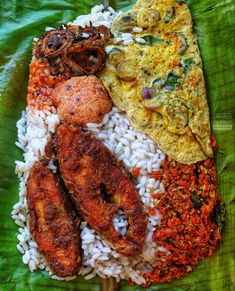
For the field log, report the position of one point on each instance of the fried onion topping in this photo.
(74, 49)
(54, 42)
(85, 60)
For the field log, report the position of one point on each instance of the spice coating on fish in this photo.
(52, 222)
(89, 169)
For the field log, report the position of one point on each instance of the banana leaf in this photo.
(20, 22)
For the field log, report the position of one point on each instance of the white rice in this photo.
(100, 17)
(97, 17)
(134, 149)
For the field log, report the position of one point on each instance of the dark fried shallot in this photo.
(89, 34)
(74, 49)
(104, 32)
(85, 60)
(54, 42)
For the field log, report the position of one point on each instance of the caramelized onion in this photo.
(97, 35)
(104, 32)
(147, 93)
(85, 60)
(73, 49)
(55, 41)
(91, 31)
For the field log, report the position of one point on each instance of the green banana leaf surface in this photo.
(20, 22)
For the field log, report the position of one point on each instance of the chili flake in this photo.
(136, 171)
(188, 229)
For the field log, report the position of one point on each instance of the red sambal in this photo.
(188, 229)
(41, 84)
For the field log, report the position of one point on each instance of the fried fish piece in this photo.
(52, 221)
(89, 169)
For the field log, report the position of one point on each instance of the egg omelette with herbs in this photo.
(159, 82)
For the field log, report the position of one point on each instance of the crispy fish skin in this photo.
(52, 222)
(87, 167)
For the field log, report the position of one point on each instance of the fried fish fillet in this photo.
(89, 169)
(52, 222)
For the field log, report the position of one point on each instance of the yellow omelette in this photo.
(158, 79)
